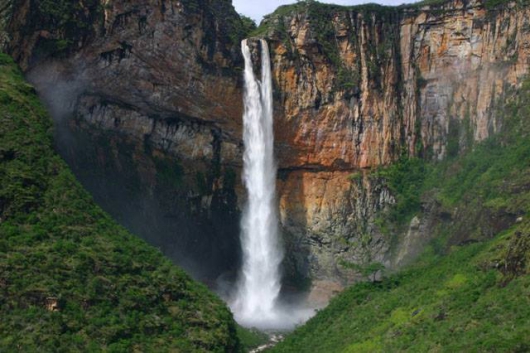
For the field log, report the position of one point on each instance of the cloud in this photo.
(257, 9)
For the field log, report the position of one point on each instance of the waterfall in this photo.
(259, 284)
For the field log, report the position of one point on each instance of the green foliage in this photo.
(69, 21)
(242, 28)
(348, 79)
(515, 259)
(440, 4)
(365, 266)
(251, 338)
(496, 4)
(420, 4)
(451, 304)
(485, 174)
(368, 270)
(224, 21)
(405, 179)
(453, 138)
(247, 25)
(355, 176)
(114, 292)
(490, 4)
(495, 165)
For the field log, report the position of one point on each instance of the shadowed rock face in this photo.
(159, 82)
(148, 104)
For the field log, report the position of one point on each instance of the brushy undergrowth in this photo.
(491, 173)
(112, 291)
(456, 303)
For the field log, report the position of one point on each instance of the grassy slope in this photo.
(115, 292)
(456, 303)
(473, 298)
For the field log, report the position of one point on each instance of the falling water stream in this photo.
(256, 302)
(259, 283)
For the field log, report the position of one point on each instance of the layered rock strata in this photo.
(358, 87)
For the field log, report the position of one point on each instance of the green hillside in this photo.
(458, 303)
(71, 279)
(470, 291)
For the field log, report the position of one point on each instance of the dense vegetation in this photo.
(457, 303)
(228, 23)
(71, 279)
(487, 177)
(457, 297)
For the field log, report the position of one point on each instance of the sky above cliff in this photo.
(257, 9)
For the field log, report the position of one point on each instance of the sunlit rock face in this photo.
(163, 79)
(395, 67)
(419, 80)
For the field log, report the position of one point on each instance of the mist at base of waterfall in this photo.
(283, 318)
(290, 311)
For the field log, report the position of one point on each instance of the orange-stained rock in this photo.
(429, 66)
(414, 71)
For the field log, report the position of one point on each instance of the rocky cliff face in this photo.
(158, 82)
(358, 87)
(147, 97)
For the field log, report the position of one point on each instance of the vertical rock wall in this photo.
(356, 88)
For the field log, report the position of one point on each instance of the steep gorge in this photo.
(156, 87)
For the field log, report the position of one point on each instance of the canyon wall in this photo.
(359, 87)
(147, 100)
(154, 89)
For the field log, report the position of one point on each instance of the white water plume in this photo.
(258, 288)
(259, 283)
